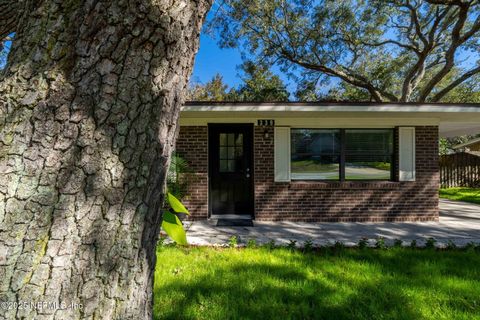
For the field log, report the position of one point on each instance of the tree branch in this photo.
(402, 45)
(416, 23)
(457, 40)
(446, 2)
(359, 81)
(437, 97)
(428, 35)
(474, 29)
(356, 80)
(438, 18)
(417, 71)
(382, 92)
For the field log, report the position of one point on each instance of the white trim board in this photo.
(407, 153)
(314, 122)
(278, 107)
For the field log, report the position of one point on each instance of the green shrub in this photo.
(397, 243)
(251, 243)
(363, 243)
(161, 241)
(380, 244)
(451, 245)
(338, 245)
(292, 245)
(430, 243)
(308, 245)
(470, 246)
(413, 244)
(270, 245)
(233, 241)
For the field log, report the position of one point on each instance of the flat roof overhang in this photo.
(452, 119)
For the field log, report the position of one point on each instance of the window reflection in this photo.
(315, 154)
(329, 154)
(230, 151)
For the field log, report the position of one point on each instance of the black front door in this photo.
(231, 169)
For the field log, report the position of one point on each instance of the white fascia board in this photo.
(317, 122)
(330, 108)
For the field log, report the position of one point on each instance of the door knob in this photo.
(248, 175)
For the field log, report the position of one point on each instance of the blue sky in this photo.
(211, 59)
(3, 53)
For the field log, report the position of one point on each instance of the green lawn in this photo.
(316, 166)
(461, 194)
(209, 283)
(313, 166)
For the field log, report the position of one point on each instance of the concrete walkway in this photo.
(459, 222)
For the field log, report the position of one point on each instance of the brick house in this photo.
(317, 162)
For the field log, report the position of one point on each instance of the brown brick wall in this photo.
(349, 201)
(323, 201)
(192, 145)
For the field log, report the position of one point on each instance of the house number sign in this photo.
(266, 123)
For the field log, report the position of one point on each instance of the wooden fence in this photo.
(460, 170)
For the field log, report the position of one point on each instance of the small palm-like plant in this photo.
(178, 176)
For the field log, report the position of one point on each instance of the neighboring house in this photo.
(469, 146)
(318, 161)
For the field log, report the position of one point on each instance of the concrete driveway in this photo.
(459, 222)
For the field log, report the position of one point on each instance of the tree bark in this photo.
(89, 104)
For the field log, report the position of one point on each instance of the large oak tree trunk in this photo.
(88, 111)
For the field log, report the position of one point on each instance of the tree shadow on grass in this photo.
(450, 277)
(400, 284)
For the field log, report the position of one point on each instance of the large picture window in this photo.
(315, 154)
(342, 154)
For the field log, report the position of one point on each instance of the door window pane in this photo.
(239, 140)
(223, 139)
(315, 154)
(238, 151)
(231, 139)
(230, 152)
(223, 152)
